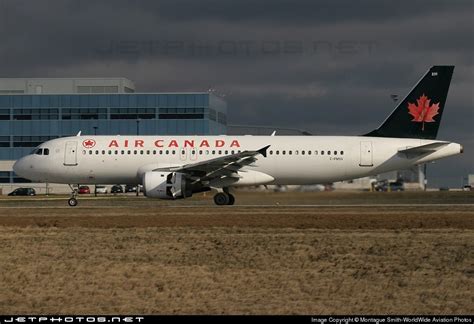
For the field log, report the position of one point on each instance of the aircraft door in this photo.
(366, 157)
(70, 153)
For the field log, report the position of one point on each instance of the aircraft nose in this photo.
(20, 167)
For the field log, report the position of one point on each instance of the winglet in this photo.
(263, 150)
(79, 134)
(274, 132)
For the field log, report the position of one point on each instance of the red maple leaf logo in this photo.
(88, 143)
(422, 112)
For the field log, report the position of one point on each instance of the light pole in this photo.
(95, 130)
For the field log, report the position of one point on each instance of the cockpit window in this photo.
(40, 151)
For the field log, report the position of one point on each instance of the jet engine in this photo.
(166, 185)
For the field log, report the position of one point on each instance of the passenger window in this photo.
(213, 152)
(296, 152)
(103, 152)
(46, 151)
(309, 152)
(116, 152)
(141, 152)
(283, 152)
(271, 153)
(96, 152)
(220, 152)
(129, 152)
(135, 152)
(302, 152)
(342, 152)
(290, 152)
(277, 152)
(232, 152)
(174, 152)
(148, 152)
(329, 152)
(154, 152)
(90, 152)
(122, 152)
(167, 152)
(335, 152)
(322, 153)
(110, 152)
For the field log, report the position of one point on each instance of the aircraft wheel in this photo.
(72, 202)
(221, 199)
(231, 199)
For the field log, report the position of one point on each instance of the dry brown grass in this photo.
(237, 260)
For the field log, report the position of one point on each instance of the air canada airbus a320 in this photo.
(173, 167)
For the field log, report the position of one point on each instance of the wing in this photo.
(222, 166)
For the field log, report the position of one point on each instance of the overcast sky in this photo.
(327, 67)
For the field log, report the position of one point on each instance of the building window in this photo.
(30, 141)
(4, 177)
(181, 113)
(132, 113)
(4, 114)
(84, 113)
(4, 141)
(35, 114)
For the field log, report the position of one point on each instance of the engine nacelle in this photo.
(166, 185)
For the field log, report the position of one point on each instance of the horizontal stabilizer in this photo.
(423, 149)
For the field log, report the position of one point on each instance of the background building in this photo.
(33, 111)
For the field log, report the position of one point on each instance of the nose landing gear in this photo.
(72, 202)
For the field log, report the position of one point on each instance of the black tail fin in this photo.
(419, 114)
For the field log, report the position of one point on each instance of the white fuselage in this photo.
(290, 159)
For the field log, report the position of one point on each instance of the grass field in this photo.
(347, 253)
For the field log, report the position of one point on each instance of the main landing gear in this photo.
(72, 202)
(224, 198)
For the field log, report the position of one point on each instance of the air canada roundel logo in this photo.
(88, 143)
(423, 112)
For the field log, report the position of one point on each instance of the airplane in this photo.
(174, 167)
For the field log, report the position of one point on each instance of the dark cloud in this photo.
(326, 66)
